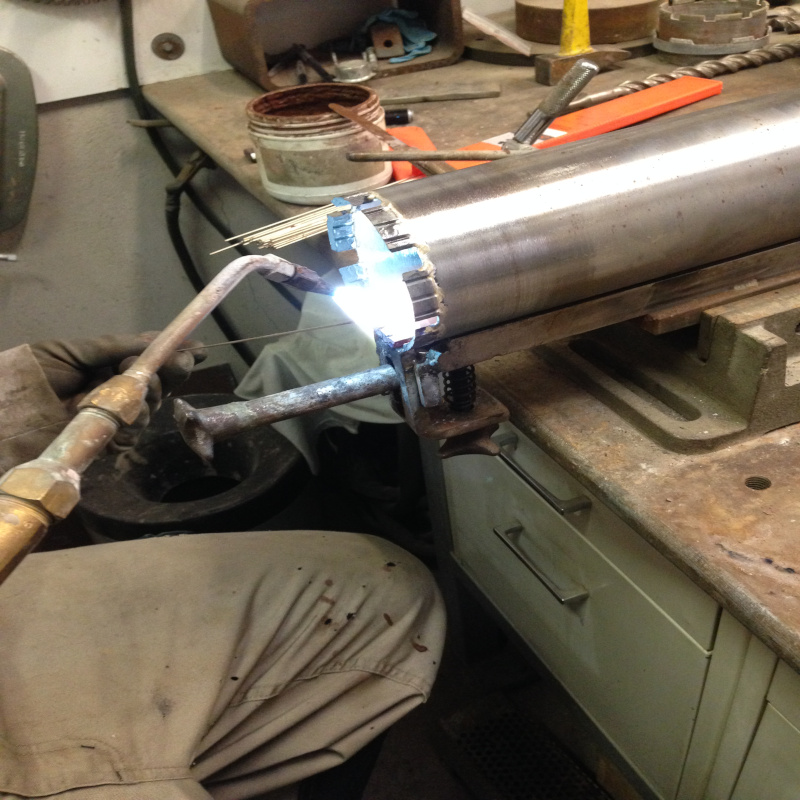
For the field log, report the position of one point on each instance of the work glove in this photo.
(75, 367)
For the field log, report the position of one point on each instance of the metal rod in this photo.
(285, 232)
(464, 92)
(291, 222)
(397, 144)
(200, 428)
(433, 155)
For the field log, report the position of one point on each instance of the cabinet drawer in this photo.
(680, 598)
(634, 671)
(784, 694)
(772, 768)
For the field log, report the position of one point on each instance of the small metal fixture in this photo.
(168, 46)
(353, 70)
(460, 388)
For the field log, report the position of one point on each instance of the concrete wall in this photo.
(96, 258)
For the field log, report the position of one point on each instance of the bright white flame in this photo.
(382, 304)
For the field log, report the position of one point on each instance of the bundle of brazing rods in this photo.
(283, 233)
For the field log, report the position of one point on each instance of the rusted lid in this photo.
(309, 103)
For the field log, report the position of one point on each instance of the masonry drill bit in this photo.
(705, 69)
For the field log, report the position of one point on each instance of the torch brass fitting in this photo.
(22, 527)
(120, 396)
(44, 484)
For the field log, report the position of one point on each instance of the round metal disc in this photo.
(610, 21)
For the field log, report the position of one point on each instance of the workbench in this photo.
(676, 673)
(738, 545)
(210, 109)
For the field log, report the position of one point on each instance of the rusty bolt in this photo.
(42, 483)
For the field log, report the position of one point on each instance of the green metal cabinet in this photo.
(683, 692)
(772, 767)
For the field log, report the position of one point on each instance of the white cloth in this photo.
(303, 358)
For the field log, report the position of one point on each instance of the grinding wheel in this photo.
(610, 21)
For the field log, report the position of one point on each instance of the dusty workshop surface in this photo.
(742, 545)
(210, 109)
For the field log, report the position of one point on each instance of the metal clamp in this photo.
(567, 596)
(570, 505)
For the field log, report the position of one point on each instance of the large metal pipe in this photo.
(531, 233)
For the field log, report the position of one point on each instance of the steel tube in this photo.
(168, 340)
(521, 235)
(200, 428)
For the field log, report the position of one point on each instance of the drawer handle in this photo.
(566, 596)
(563, 507)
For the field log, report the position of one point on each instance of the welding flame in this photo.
(381, 305)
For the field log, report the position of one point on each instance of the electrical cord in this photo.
(176, 189)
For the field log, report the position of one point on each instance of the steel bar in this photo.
(525, 235)
(396, 144)
(436, 95)
(432, 155)
(200, 428)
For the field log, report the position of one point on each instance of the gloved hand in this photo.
(74, 367)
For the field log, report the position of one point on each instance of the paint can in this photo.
(301, 145)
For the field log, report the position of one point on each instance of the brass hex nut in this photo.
(49, 488)
(120, 396)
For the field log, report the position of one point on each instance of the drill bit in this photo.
(705, 69)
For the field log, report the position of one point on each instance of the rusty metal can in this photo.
(301, 145)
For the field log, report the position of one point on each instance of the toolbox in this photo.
(251, 31)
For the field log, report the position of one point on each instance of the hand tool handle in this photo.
(575, 36)
(557, 101)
